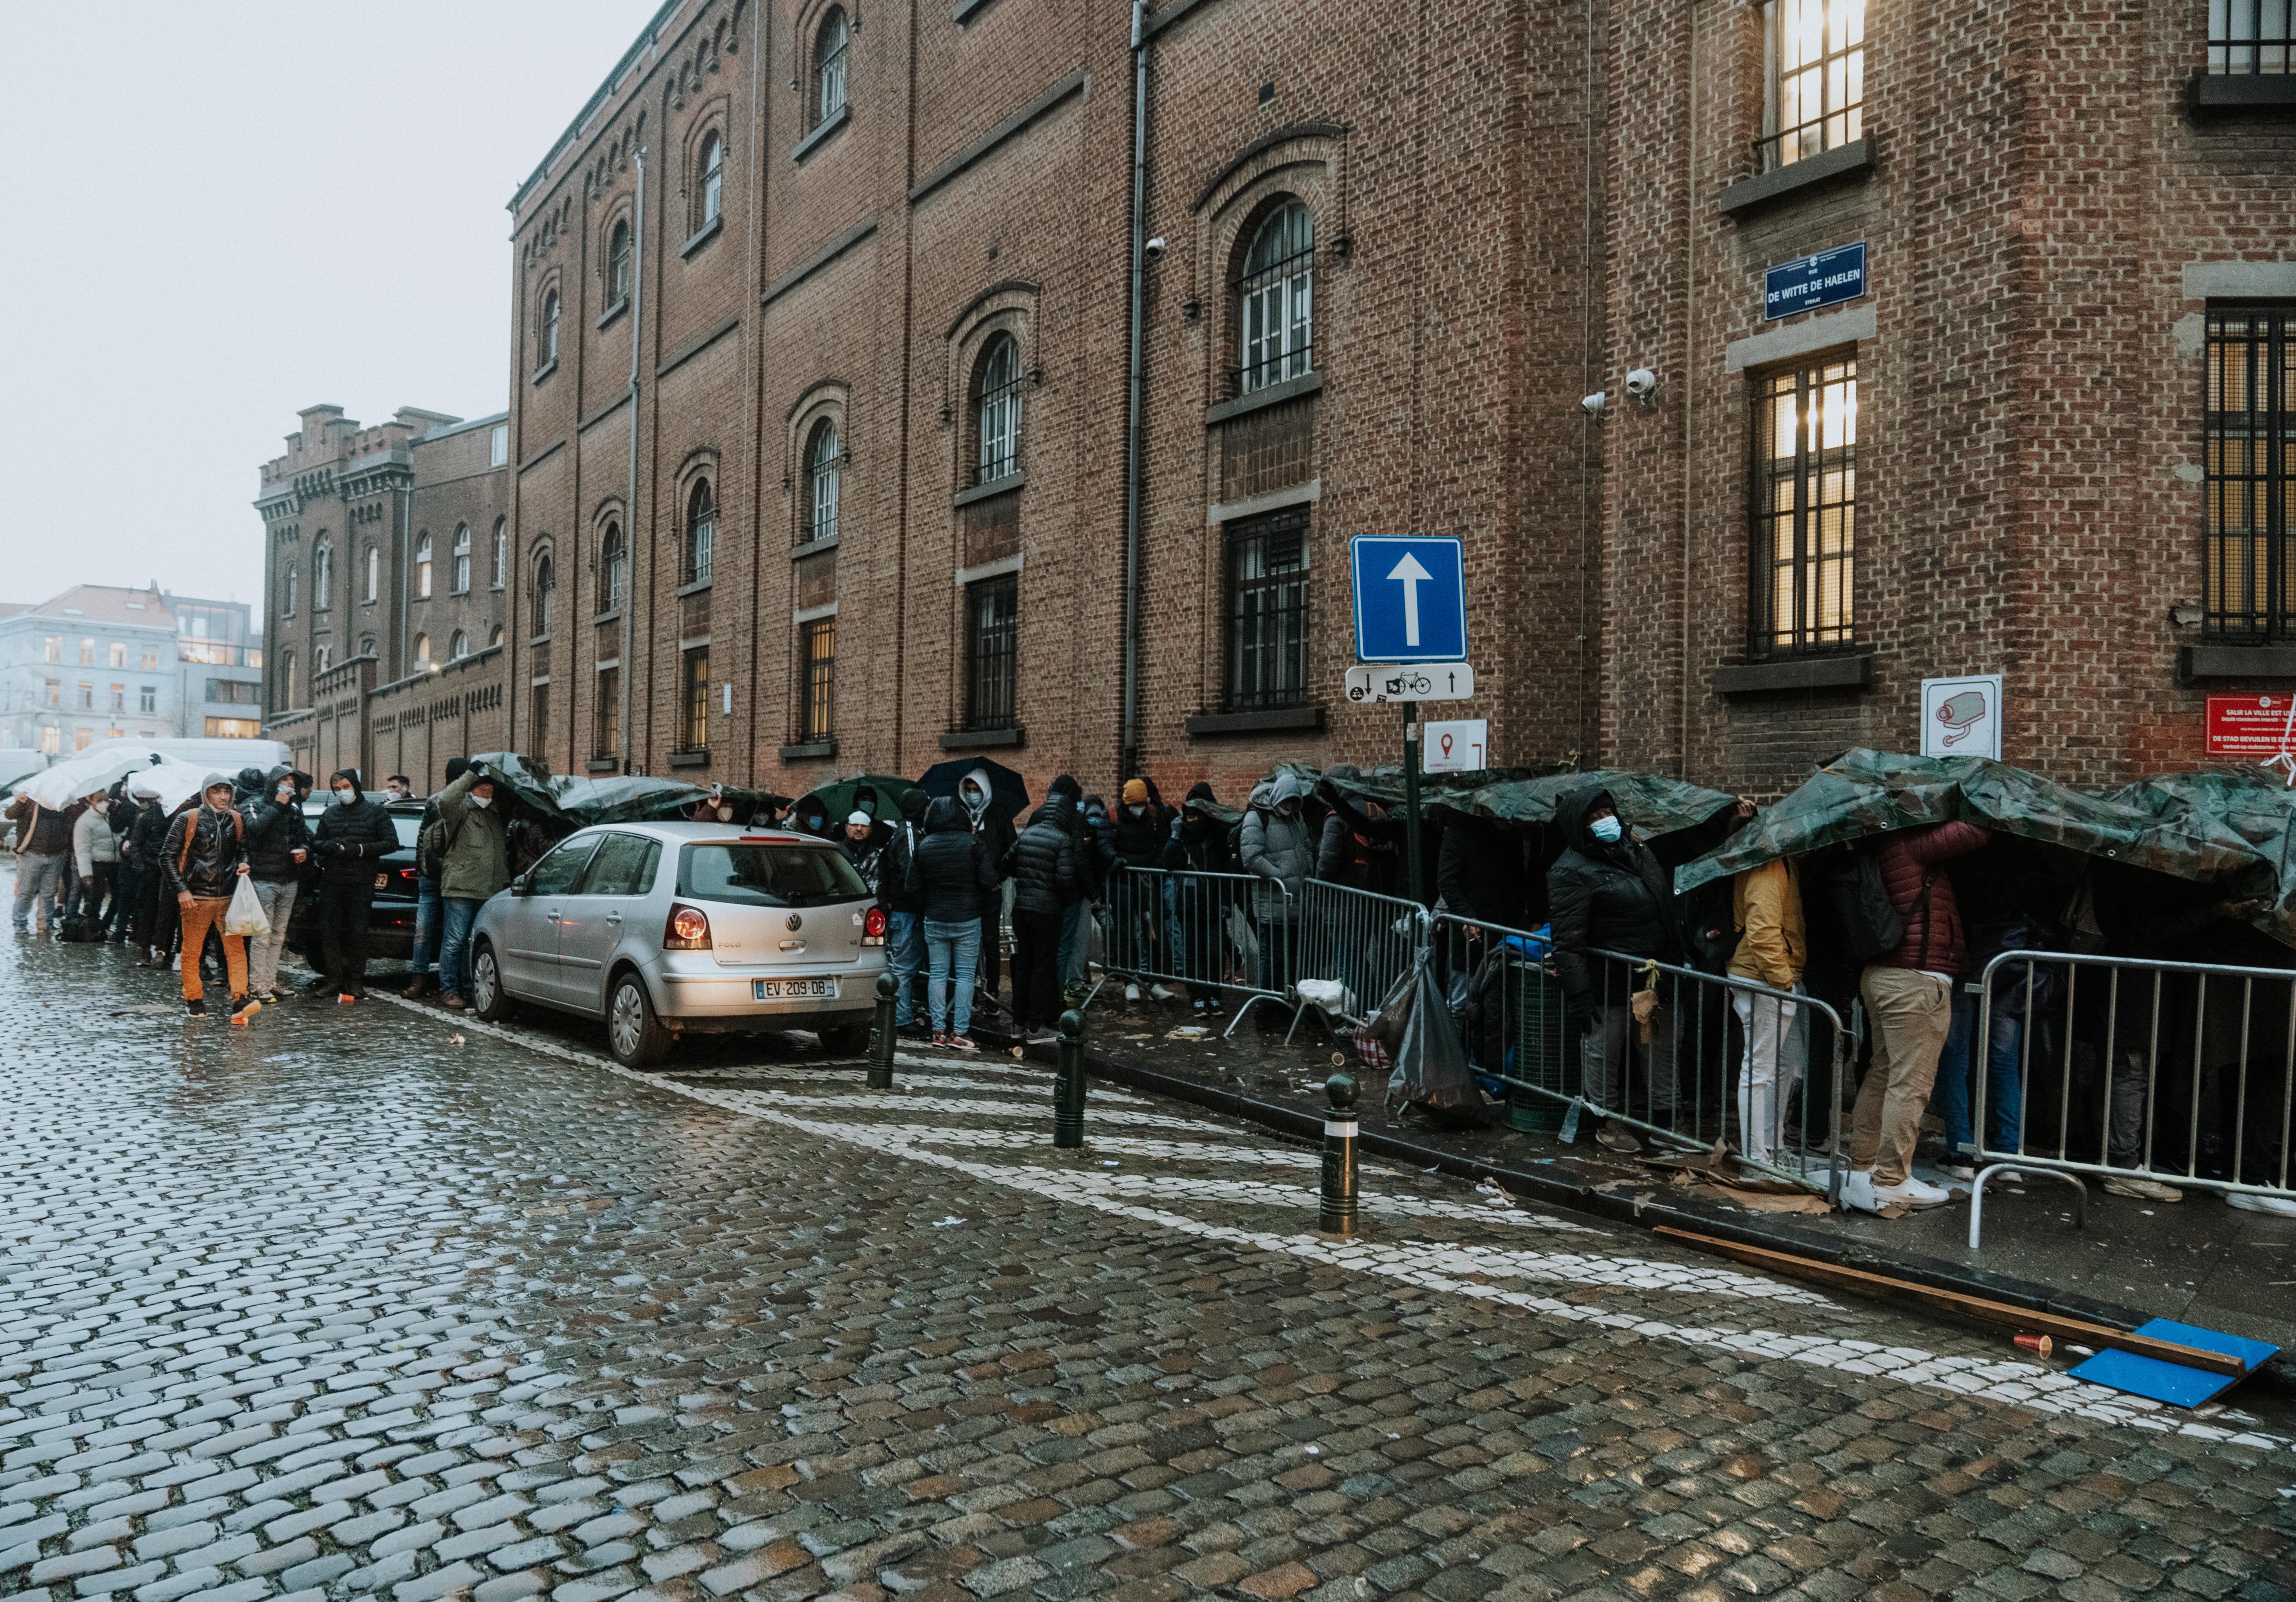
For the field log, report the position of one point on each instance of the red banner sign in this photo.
(2251, 725)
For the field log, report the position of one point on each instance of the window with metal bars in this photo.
(607, 741)
(1814, 79)
(459, 574)
(700, 533)
(996, 411)
(1267, 645)
(693, 703)
(824, 471)
(713, 179)
(546, 591)
(2253, 36)
(992, 652)
(817, 717)
(610, 571)
(1275, 301)
(617, 267)
(1802, 582)
(2251, 467)
(539, 734)
(829, 54)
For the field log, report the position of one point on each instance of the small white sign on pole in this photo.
(1462, 745)
(1961, 716)
(1422, 681)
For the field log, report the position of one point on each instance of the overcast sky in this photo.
(220, 213)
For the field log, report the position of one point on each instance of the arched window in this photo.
(700, 533)
(322, 576)
(323, 657)
(462, 563)
(422, 567)
(823, 458)
(617, 264)
(1276, 296)
(286, 680)
(546, 583)
(550, 328)
(494, 638)
(371, 579)
(366, 645)
(458, 647)
(610, 569)
(421, 650)
(287, 596)
(996, 410)
(829, 48)
(713, 179)
(502, 551)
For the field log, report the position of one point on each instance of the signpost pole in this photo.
(1411, 795)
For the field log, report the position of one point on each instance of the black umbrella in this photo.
(1006, 789)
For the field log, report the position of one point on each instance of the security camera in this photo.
(1154, 249)
(1642, 383)
(1596, 404)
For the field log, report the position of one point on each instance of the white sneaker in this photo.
(2278, 1206)
(1857, 1190)
(1962, 1171)
(2141, 1190)
(1131, 991)
(1161, 994)
(1912, 1192)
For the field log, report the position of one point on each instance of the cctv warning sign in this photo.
(1961, 716)
(2251, 725)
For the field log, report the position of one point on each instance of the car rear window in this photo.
(756, 874)
(407, 828)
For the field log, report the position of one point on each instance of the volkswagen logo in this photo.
(796, 923)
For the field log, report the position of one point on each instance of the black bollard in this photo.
(880, 1043)
(1338, 1210)
(1067, 1087)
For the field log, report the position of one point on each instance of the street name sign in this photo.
(1411, 599)
(1434, 681)
(1810, 281)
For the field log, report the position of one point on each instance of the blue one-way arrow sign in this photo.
(1411, 599)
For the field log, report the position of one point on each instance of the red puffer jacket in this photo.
(1907, 858)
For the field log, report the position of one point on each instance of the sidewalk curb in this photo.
(1549, 1191)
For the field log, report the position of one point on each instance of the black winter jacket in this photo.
(1479, 872)
(203, 853)
(1197, 842)
(952, 867)
(1139, 842)
(1614, 897)
(899, 886)
(1042, 861)
(363, 831)
(275, 829)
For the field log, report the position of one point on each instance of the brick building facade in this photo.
(818, 434)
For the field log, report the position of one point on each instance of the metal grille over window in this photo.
(817, 712)
(617, 271)
(546, 587)
(2253, 36)
(693, 721)
(829, 73)
(1815, 77)
(1276, 293)
(700, 533)
(992, 652)
(610, 569)
(1804, 499)
(1267, 612)
(323, 577)
(822, 465)
(462, 549)
(998, 411)
(713, 179)
(2251, 426)
(609, 740)
(550, 328)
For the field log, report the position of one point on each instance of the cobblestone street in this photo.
(340, 1305)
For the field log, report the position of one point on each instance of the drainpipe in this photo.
(630, 504)
(405, 557)
(1129, 762)
(1689, 371)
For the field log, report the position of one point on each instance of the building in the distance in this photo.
(97, 663)
(219, 667)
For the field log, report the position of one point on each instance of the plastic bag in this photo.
(245, 916)
(1431, 1071)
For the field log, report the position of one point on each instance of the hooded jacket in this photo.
(352, 840)
(1042, 860)
(899, 889)
(1913, 871)
(1360, 845)
(275, 828)
(203, 849)
(1091, 863)
(149, 835)
(1278, 846)
(1198, 841)
(1612, 897)
(40, 831)
(1138, 839)
(990, 822)
(1480, 873)
(476, 864)
(953, 866)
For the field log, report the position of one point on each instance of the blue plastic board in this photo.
(1411, 598)
(2173, 1383)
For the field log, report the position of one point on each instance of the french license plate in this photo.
(793, 990)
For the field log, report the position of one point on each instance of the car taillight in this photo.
(688, 930)
(873, 927)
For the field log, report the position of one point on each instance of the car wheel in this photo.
(487, 998)
(846, 1039)
(633, 1033)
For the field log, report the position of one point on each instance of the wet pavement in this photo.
(342, 1306)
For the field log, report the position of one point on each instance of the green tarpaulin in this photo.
(617, 799)
(1648, 801)
(2254, 803)
(1863, 792)
(837, 800)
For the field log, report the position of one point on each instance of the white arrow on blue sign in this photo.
(1411, 599)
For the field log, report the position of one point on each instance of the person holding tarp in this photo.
(1607, 893)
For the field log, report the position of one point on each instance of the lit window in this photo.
(822, 472)
(693, 704)
(2250, 459)
(460, 571)
(1815, 84)
(1277, 295)
(817, 710)
(51, 741)
(55, 692)
(119, 655)
(422, 567)
(494, 638)
(829, 66)
(1805, 501)
(700, 533)
(82, 738)
(150, 660)
(53, 648)
(421, 650)
(997, 410)
(713, 179)
(87, 653)
(617, 264)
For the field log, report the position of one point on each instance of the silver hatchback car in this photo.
(664, 928)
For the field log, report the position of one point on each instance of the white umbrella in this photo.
(81, 776)
(176, 781)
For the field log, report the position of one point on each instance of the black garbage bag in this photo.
(1431, 1071)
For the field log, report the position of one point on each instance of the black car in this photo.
(390, 924)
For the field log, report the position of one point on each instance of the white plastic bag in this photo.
(244, 917)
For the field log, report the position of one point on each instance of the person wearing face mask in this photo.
(1194, 910)
(278, 844)
(1137, 834)
(429, 911)
(860, 847)
(399, 787)
(900, 892)
(474, 864)
(993, 828)
(1276, 845)
(203, 859)
(352, 837)
(136, 872)
(1605, 891)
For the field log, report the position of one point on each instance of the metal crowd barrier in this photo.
(1364, 940)
(2176, 1073)
(1201, 931)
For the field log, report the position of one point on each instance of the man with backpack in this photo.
(423, 962)
(1909, 935)
(203, 859)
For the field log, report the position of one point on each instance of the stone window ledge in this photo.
(2236, 662)
(991, 490)
(828, 126)
(695, 588)
(613, 311)
(1789, 674)
(601, 765)
(1763, 189)
(1281, 720)
(2213, 95)
(813, 547)
(689, 758)
(703, 234)
(1266, 396)
(545, 370)
(983, 739)
(809, 750)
